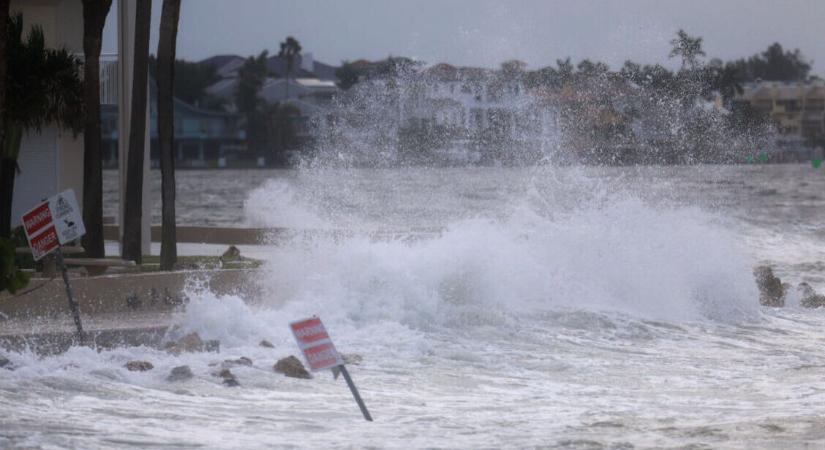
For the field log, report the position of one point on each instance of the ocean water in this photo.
(588, 308)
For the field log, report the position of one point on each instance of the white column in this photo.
(126, 10)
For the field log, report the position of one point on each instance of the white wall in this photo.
(38, 172)
(62, 21)
(52, 160)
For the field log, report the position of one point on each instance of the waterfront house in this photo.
(310, 87)
(203, 138)
(796, 108)
(304, 66)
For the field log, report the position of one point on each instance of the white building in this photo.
(52, 160)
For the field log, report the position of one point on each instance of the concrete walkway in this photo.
(116, 310)
(50, 335)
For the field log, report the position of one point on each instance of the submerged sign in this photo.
(316, 345)
(320, 353)
(54, 222)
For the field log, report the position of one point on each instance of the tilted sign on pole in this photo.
(52, 223)
(40, 231)
(320, 354)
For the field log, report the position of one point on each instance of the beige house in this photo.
(797, 108)
(52, 160)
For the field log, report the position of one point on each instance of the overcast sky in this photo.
(485, 33)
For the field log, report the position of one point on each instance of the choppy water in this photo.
(561, 308)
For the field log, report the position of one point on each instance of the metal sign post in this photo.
(320, 353)
(73, 306)
(355, 393)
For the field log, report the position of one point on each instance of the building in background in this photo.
(203, 138)
(796, 108)
(311, 87)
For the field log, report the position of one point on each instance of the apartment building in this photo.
(797, 108)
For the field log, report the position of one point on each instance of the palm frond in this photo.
(43, 86)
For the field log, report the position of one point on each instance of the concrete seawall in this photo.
(156, 291)
(116, 310)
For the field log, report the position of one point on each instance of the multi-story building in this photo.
(203, 137)
(796, 108)
(310, 86)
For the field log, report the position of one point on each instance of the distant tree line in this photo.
(191, 81)
(639, 113)
(271, 128)
(604, 116)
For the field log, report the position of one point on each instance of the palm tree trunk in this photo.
(7, 168)
(94, 17)
(131, 243)
(166, 129)
(10, 149)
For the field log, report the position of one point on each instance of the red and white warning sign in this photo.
(316, 345)
(52, 223)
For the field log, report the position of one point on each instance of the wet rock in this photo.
(808, 296)
(180, 373)
(231, 254)
(242, 361)
(265, 343)
(133, 301)
(228, 377)
(5, 363)
(192, 342)
(291, 367)
(352, 358)
(139, 366)
(771, 290)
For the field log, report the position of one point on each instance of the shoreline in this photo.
(116, 310)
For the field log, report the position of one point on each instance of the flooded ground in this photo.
(587, 308)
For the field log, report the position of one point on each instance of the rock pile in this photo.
(771, 290)
(808, 296)
(139, 366)
(228, 377)
(180, 373)
(192, 342)
(291, 367)
(231, 254)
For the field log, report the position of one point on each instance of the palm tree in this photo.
(290, 48)
(166, 129)
(42, 86)
(251, 77)
(131, 240)
(688, 47)
(4, 23)
(11, 277)
(94, 17)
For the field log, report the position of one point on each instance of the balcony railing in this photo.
(108, 79)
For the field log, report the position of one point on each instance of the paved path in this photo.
(49, 335)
